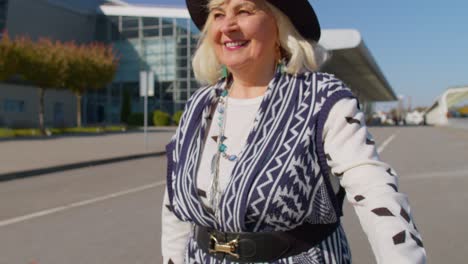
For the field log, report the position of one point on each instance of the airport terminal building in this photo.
(158, 39)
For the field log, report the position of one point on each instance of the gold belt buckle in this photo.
(227, 248)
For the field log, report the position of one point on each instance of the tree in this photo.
(47, 64)
(8, 58)
(43, 64)
(90, 66)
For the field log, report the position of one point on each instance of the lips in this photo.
(235, 44)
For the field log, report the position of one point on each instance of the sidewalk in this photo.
(23, 155)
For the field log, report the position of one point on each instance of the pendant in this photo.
(214, 164)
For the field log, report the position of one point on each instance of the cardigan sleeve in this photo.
(175, 235)
(371, 186)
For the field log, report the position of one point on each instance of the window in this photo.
(150, 21)
(182, 22)
(193, 28)
(182, 73)
(129, 23)
(101, 28)
(182, 41)
(182, 51)
(194, 85)
(13, 106)
(3, 13)
(59, 116)
(130, 34)
(182, 62)
(167, 21)
(152, 32)
(114, 28)
(167, 31)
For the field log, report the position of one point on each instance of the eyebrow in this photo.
(219, 8)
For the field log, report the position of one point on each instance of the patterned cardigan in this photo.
(281, 180)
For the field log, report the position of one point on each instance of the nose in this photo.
(229, 24)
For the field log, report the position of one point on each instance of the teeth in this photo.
(235, 44)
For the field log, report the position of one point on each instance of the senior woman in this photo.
(258, 166)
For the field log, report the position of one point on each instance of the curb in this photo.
(73, 166)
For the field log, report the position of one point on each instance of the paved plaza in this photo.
(32, 154)
(110, 214)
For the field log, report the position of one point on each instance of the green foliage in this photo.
(25, 132)
(176, 117)
(34, 132)
(161, 118)
(8, 58)
(42, 63)
(6, 133)
(89, 130)
(21, 132)
(126, 107)
(48, 64)
(90, 66)
(115, 128)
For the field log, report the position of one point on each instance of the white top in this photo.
(366, 176)
(239, 119)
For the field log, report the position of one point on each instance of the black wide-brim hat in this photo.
(300, 12)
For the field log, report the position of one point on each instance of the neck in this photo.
(251, 83)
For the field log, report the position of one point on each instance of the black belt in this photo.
(261, 246)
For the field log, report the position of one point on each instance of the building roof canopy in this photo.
(144, 11)
(455, 95)
(352, 62)
(437, 113)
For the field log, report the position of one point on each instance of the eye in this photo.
(244, 12)
(217, 15)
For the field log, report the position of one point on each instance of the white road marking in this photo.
(386, 142)
(79, 204)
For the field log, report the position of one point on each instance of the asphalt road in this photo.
(109, 214)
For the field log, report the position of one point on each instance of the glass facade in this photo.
(162, 45)
(3, 14)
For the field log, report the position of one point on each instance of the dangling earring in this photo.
(280, 66)
(224, 71)
(279, 63)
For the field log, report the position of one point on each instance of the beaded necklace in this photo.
(222, 110)
(222, 107)
(222, 148)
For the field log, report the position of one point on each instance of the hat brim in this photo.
(300, 12)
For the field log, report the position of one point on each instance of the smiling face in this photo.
(244, 34)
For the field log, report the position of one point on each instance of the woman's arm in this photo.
(371, 187)
(175, 235)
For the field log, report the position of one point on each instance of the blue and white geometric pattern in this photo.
(281, 179)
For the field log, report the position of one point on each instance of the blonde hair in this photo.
(298, 53)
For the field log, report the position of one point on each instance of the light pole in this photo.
(400, 108)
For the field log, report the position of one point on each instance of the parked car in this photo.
(414, 118)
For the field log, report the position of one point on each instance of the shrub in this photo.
(161, 118)
(27, 132)
(6, 133)
(176, 117)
